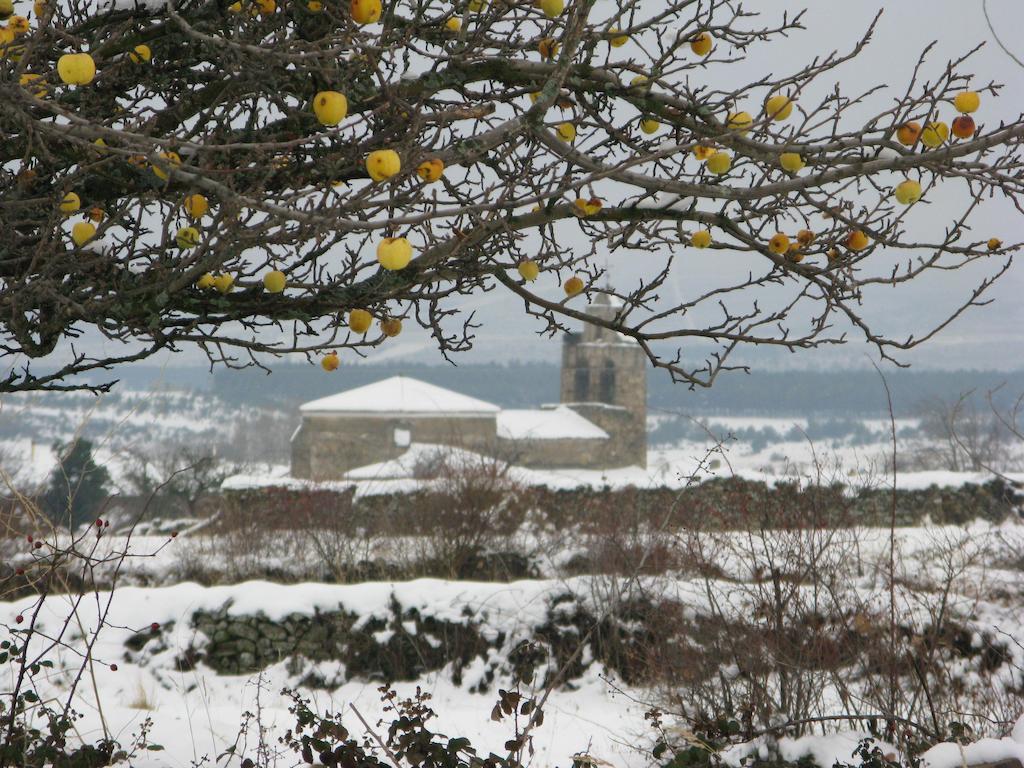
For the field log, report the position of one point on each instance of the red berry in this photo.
(106, 524)
(38, 545)
(155, 627)
(19, 618)
(113, 667)
(99, 523)
(20, 571)
(174, 534)
(29, 538)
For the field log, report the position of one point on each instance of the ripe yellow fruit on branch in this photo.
(719, 163)
(528, 269)
(330, 107)
(548, 47)
(967, 102)
(740, 122)
(34, 83)
(224, 282)
(330, 362)
(649, 126)
(779, 244)
(454, 24)
(170, 159)
(6, 9)
(187, 237)
(18, 25)
(205, 282)
(70, 203)
(82, 233)
(314, 6)
(196, 206)
(617, 40)
(394, 253)
(701, 45)
(275, 281)
(703, 152)
(994, 244)
(700, 239)
(907, 192)
(365, 11)
(909, 133)
(779, 107)
(140, 54)
(383, 164)
(587, 207)
(573, 286)
(934, 134)
(391, 327)
(963, 126)
(359, 320)
(263, 7)
(430, 170)
(791, 161)
(566, 132)
(857, 240)
(552, 8)
(804, 237)
(76, 68)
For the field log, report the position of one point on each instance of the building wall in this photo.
(325, 447)
(601, 367)
(590, 453)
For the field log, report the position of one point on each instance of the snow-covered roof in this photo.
(547, 424)
(400, 394)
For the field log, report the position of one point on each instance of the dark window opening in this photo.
(608, 382)
(581, 383)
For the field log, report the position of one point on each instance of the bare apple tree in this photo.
(261, 178)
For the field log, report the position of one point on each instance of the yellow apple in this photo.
(649, 126)
(702, 152)
(791, 161)
(934, 134)
(700, 239)
(70, 203)
(587, 207)
(330, 107)
(187, 237)
(548, 47)
(779, 244)
(552, 8)
(6, 9)
(908, 133)
(719, 163)
(779, 107)
(740, 122)
(907, 192)
(566, 132)
(528, 270)
(34, 83)
(206, 281)
(701, 44)
(224, 282)
(330, 362)
(171, 159)
(454, 24)
(383, 164)
(76, 68)
(196, 206)
(391, 327)
(82, 233)
(967, 102)
(994, 244)
(365, 11)
(394, 253)
(275, 281)
(140, 53)
(430, 170)
(805, 237)
(857, 240)
(573, 286)
(359, 320)
(617, 40)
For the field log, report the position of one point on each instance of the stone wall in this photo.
(325, 447)
(593, 453)
(627, 445)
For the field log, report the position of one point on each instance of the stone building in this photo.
(600, 422)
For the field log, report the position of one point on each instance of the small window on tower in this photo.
(402, 437)
(608, 382)
(581, 383)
